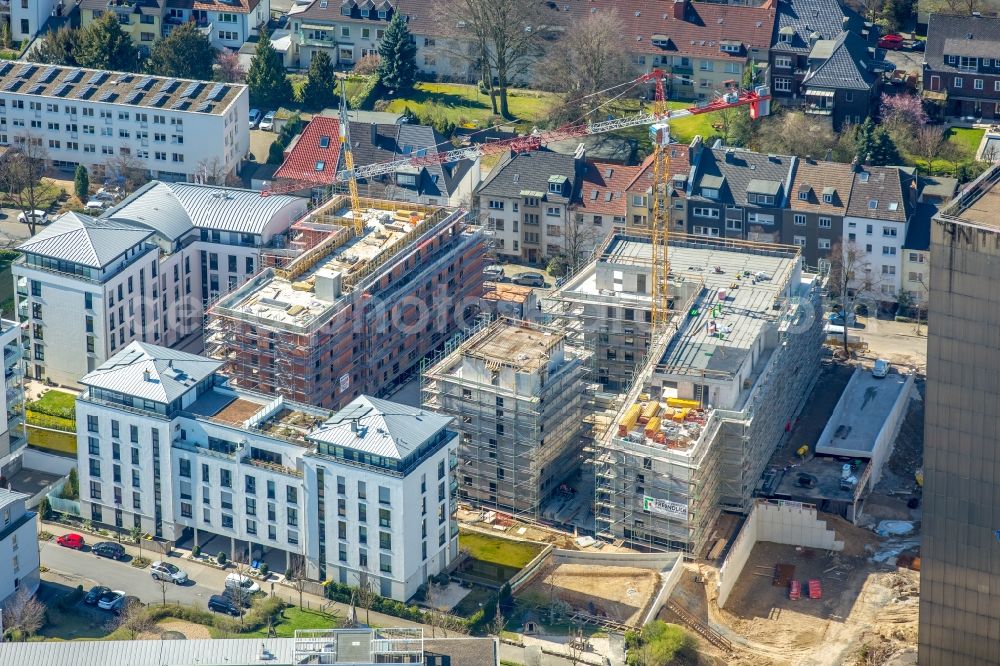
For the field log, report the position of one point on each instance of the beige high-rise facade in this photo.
(960, 576)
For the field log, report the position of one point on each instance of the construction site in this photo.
(518, 395)
(719, 384)
(350, 308)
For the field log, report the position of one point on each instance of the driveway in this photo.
(12, 232)
(908, 61)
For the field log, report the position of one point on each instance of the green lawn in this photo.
(471, 602)
(465, 105)
(497, 550)
(297, 618)
(965, 139)
(683, 130)
(55, 403)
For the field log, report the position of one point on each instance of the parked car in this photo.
(529, 279)
(95, 206)
(220, 603)
(168, 572)
(74, 541)
(892, 41)
(494, 273)
(39, 217)
(919, 45)
(109, 549)
(267, 124)
(237, 582)
(254, 118)
(95, 593)
(881, 368)
(110, 599)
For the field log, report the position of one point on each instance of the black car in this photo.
(95, 593)
(220, 603)
(109, 549)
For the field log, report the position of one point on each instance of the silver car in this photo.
(168, 572)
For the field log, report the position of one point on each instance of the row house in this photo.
(842, 80)
(962, 65)
(639, 191)
(935, 192)
(817, 203)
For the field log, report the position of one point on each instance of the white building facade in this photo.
(171, 129)
(12, 436)
(145, 270)
(166, 445)
(227, 24)
(18, 546)
(28, 16)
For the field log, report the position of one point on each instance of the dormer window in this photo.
(828, 198)
(786, 34)
(730, 47)
(364, 13)
(804, 195)
(345, 10)
(557, 184)
(709, 193)
(555, 187)
(381, 14)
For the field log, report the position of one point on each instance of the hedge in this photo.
(366, 94)
(342, 593)
(63, 442)
(49, 421)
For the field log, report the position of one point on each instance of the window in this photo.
(496, 205)
(345, 31)
(734, 225)
(385, 540)
(385, 563)
(291, 494)
(383, 495)
(760, 218)
(889, 251)
(552, 211)
(384, 518)
(825, 223)
(800, 219)
(977, 84)
(889, 231)
(712, 232)
(957, 82)
(92, 423)
(706, 212)
(799, 240)
(783, 85)
(709, 193)
(823, 243)
(888, 270)
(95, 490)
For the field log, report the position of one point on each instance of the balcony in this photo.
(311, 38)
(818, 109)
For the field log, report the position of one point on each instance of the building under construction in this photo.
(713, 397)
(350, 313)
(517, 393)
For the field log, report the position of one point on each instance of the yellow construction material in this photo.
(680, 402)
(653, 426)
(302, 286)
(630, 419)
(651, 409)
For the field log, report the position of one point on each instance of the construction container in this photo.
(651, 409)
(630, 419)
(653, 427)
(794, 590)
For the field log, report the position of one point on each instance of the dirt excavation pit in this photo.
(621, 594)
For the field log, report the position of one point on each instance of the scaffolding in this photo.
(517, 394)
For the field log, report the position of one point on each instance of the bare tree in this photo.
(298, 579)
(591, 59)
(928, 142)
(134, 620)
(24, 613)
(498, 624)
(576, 646)
(507, 37)
(852, 279)
(366, 594)
(794, 133)
(580, 239)
(21, 172)
(228, 68)
(128, 168)
(213, 171)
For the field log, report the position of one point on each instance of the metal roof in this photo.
(85, 240)
(151, 372)
(8, 497)
(205, 652)
(173, 209)
(380, 427)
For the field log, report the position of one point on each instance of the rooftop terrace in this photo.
(270, 416)
(519, 345)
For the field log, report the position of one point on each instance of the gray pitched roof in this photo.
(972, 36)
(848, 66)
(380, 427)
(151, 372)
(173, 209)
(8, 497)
(742, 170)
(918, 231)
(150, 653)
(880, 193)
(805, 17)
(531, 171)
(85, 240)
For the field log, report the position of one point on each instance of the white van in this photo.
(236, 582)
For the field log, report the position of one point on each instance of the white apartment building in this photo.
(28, 16)
(165, 444)
(175, 129)
(18, 546)
(145, 270)
(228, 23)
(12, 437)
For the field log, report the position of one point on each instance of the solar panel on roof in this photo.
(191, 90)
(146, 83)
(12, 85)
(180, 105)
(218, 91)
(73, 76)
(160, 99)
(6, 67)
(37, 89)
(49, 74)
(108, 96)
(170, 86)
(97, 78)
(134, 97)
(205, 107)
(26, 71)
(63, 89)
(85, 92)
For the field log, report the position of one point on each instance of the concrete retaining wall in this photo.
(791, 523)
(46, 462)
(890, 428)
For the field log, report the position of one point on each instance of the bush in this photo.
(421, 593)
(557, 266)
(342, 593)
(45, 509)
(48, 421)
(71, 598)
(189, 613)
(71, 489)
(289, 573)
(264, 608)
(196, 551)
(221, 558)
(442, 579)
(366, 94)
(905, 320)
(264, 570)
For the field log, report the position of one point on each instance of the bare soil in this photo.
(618, 593)
(190, 630)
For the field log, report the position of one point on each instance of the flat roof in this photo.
(978, 204)
(858, 418)
(77, 84)
(819, 478)
(513, 293)
(288, 421)
(511, 344)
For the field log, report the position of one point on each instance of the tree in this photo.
(366, 594)
(71, 490)
(228, 68)
(104, 45)
(899, 13)
(852, 280)
(23, 613)
(4, 35)
(591, 60)
(186, 53)
(929, 142)
(134, 619)
(902, 109)
(368, 65)
(795, 134)
(318, 92)
(136, 535)
(297, 575)
(21, 174)
(397, 68)
(127, 169)
(57, 47)
(508, 37)
(883, 149)
(81, 183)
(213, 171)
(660, 643)
(269, 85)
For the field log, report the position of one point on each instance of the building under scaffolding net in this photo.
(518, 394)
(715, 392)
(350, 314)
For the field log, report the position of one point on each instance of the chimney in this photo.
(914, 191)
(844, 21)
(145, 375)
(729, 154)
(374, 130)
(680, 9)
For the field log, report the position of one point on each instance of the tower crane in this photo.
(348, 152)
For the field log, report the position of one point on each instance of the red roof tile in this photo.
(302, 160)
(601, 179)
(679, 163)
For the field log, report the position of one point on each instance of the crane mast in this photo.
(347, 151)
(660, 214)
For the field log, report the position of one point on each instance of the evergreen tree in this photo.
(883, 149)
(864, 141)
(185, 53)
(318, 92)
(397, 69)
(104, 45)
(57, 47)
(269, 86)
(81, 183)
